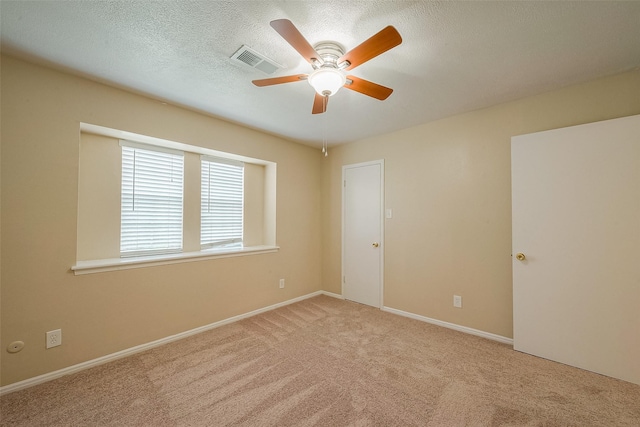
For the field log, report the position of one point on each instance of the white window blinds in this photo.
(152, 198)
(222, 194)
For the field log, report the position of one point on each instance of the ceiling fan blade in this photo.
(375, 45)
(368, 88)
(319, 104)
(279, 80)
(290, 33)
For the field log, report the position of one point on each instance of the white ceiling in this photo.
(455, 56)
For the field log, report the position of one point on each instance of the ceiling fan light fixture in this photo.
(327, 81)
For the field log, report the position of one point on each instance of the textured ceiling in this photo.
(455, 56)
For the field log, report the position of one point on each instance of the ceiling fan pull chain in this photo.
(324, 127)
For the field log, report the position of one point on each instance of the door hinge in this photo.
(344, 279)
(345, 182)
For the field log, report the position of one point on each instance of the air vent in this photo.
(249, 57)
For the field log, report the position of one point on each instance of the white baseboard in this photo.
(332, 295)
(453, 326)
(143, 347)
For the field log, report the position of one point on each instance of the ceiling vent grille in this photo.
(249, 57)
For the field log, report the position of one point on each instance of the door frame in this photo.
(382, 219)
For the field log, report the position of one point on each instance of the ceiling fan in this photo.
(329, 63)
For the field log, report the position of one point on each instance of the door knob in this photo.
(520, 256)
(375, 244)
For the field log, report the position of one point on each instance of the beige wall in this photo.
(99, 188)
(254, 191)
(103, 313)
(449, 185)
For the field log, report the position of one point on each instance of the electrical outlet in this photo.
(54, 338)
(281, 283)
(457, 301)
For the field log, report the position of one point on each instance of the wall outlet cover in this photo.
(54, 338)
(457, 301)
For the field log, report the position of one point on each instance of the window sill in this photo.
(114, 264)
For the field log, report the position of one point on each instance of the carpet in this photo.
(328, 362)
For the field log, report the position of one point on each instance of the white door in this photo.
(576, 219)
(362, 252)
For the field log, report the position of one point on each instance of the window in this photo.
(221, 202)
(151, 200)
(145, 201)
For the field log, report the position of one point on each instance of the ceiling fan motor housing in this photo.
(329, 52)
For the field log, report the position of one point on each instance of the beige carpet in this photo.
(327, 362)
